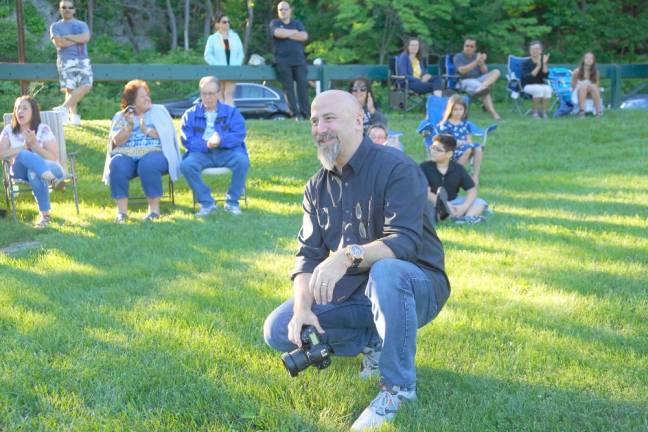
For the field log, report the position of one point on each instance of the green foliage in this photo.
(158, 326)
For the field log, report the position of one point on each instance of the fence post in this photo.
(616, 85)
(324, 77)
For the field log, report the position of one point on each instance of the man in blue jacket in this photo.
(214, 135)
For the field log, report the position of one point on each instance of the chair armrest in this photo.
(72, 155)
(398, 77)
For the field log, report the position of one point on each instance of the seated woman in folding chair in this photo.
(360, 87)
(534, 72)
(142, 144)
(410, 64)
(585, 82)
(33, 151)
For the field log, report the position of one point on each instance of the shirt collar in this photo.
(360, 155)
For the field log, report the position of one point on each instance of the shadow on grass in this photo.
(452, 401)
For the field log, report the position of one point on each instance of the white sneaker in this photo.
(233, 209)
(383, 408)
(370, 361)
(206, 210)
(75, 119)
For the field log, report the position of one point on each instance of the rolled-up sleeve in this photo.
(405, 200)
(312, 250)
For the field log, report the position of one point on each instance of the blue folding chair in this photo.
(560, 82)
(429, 127)
(451, 76)
(514, 83)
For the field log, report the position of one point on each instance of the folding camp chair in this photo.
(400, 95)
(514, 83)
(560, 82)
(429, 127)
(450, 74)
(14, 186)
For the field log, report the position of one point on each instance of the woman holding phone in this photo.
(142, 143)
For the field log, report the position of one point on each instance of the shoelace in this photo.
(384, 400)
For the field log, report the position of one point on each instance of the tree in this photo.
(186, 24)
(173, 25)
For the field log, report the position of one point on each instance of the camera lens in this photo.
(295, 361)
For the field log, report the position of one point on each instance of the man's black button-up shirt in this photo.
(381, 194)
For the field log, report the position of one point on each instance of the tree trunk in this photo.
(248, 28)
(90, 14)
(172, 24)
(186, 24)
(209, 17)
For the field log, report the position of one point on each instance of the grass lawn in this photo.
(157, 326)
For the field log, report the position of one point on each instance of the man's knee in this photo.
(240, 161)
(495, 73)
(383, 275)
(275, 332)
(189, 166)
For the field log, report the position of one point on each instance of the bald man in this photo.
(369, 269)
(288, 39)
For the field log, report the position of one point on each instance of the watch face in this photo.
(357, 252)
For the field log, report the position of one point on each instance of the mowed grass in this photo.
(158, 326)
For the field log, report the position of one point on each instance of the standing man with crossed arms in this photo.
(288, 39)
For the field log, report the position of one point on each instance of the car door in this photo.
(254, 100)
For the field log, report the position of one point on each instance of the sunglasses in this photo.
(224, 22)
(358, 89)
(469, 46)
(67, 7)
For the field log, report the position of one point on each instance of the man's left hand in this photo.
(326, 275)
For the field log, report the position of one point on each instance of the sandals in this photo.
(43, 222)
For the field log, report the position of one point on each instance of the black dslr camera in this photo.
(312, 352)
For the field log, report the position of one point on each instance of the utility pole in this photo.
(20, 23)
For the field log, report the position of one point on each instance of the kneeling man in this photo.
(370, 268)
(214, 136)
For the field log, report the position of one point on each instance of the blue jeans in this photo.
(29, 166)
(149, 168)
(398, 299)
(194, 162)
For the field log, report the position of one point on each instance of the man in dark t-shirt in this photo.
(442, 172)
(476, 79)
(288, 39)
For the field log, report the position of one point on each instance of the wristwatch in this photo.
(356, 254)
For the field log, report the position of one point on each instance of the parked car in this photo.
(252, 99)
(636, 101)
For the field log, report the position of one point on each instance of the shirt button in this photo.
(347, 211)
(348, 239)
(346, 184)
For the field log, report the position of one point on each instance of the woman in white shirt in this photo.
(33, 151)
(224, 48)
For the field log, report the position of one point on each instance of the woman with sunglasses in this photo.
(360, 87)
(224, 48)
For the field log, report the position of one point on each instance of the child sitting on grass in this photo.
(455, 123)
(445, 174)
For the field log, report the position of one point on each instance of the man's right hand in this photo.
(214, 141)
(301, 318)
